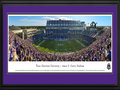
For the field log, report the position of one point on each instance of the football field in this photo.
(60, 46)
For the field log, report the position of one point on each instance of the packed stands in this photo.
(22, 50)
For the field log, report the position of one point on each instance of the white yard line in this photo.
(41, 43)
(80, 43)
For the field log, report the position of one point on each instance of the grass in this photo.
(43, 49)
(59, 46)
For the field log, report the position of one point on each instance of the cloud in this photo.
(42, 21)
(30, 20)
(33, 22)
(49, 18)
(65, 18)
(57, 18)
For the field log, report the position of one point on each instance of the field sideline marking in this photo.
(41, 43)
(80, 43)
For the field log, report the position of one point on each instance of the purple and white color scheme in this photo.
(92, 61)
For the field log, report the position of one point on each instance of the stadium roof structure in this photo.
(14, 27)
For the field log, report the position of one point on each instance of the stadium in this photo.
(62, 40)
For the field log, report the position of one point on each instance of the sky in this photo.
(25, 20)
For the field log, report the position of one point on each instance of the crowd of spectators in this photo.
(22, 50)
(100, 50)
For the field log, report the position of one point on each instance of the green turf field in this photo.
(60, 46)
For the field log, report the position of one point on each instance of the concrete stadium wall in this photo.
(19, 31)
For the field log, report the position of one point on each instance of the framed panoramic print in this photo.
(60, 44)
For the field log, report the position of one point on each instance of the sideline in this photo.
(41, 43)
(80, 43)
